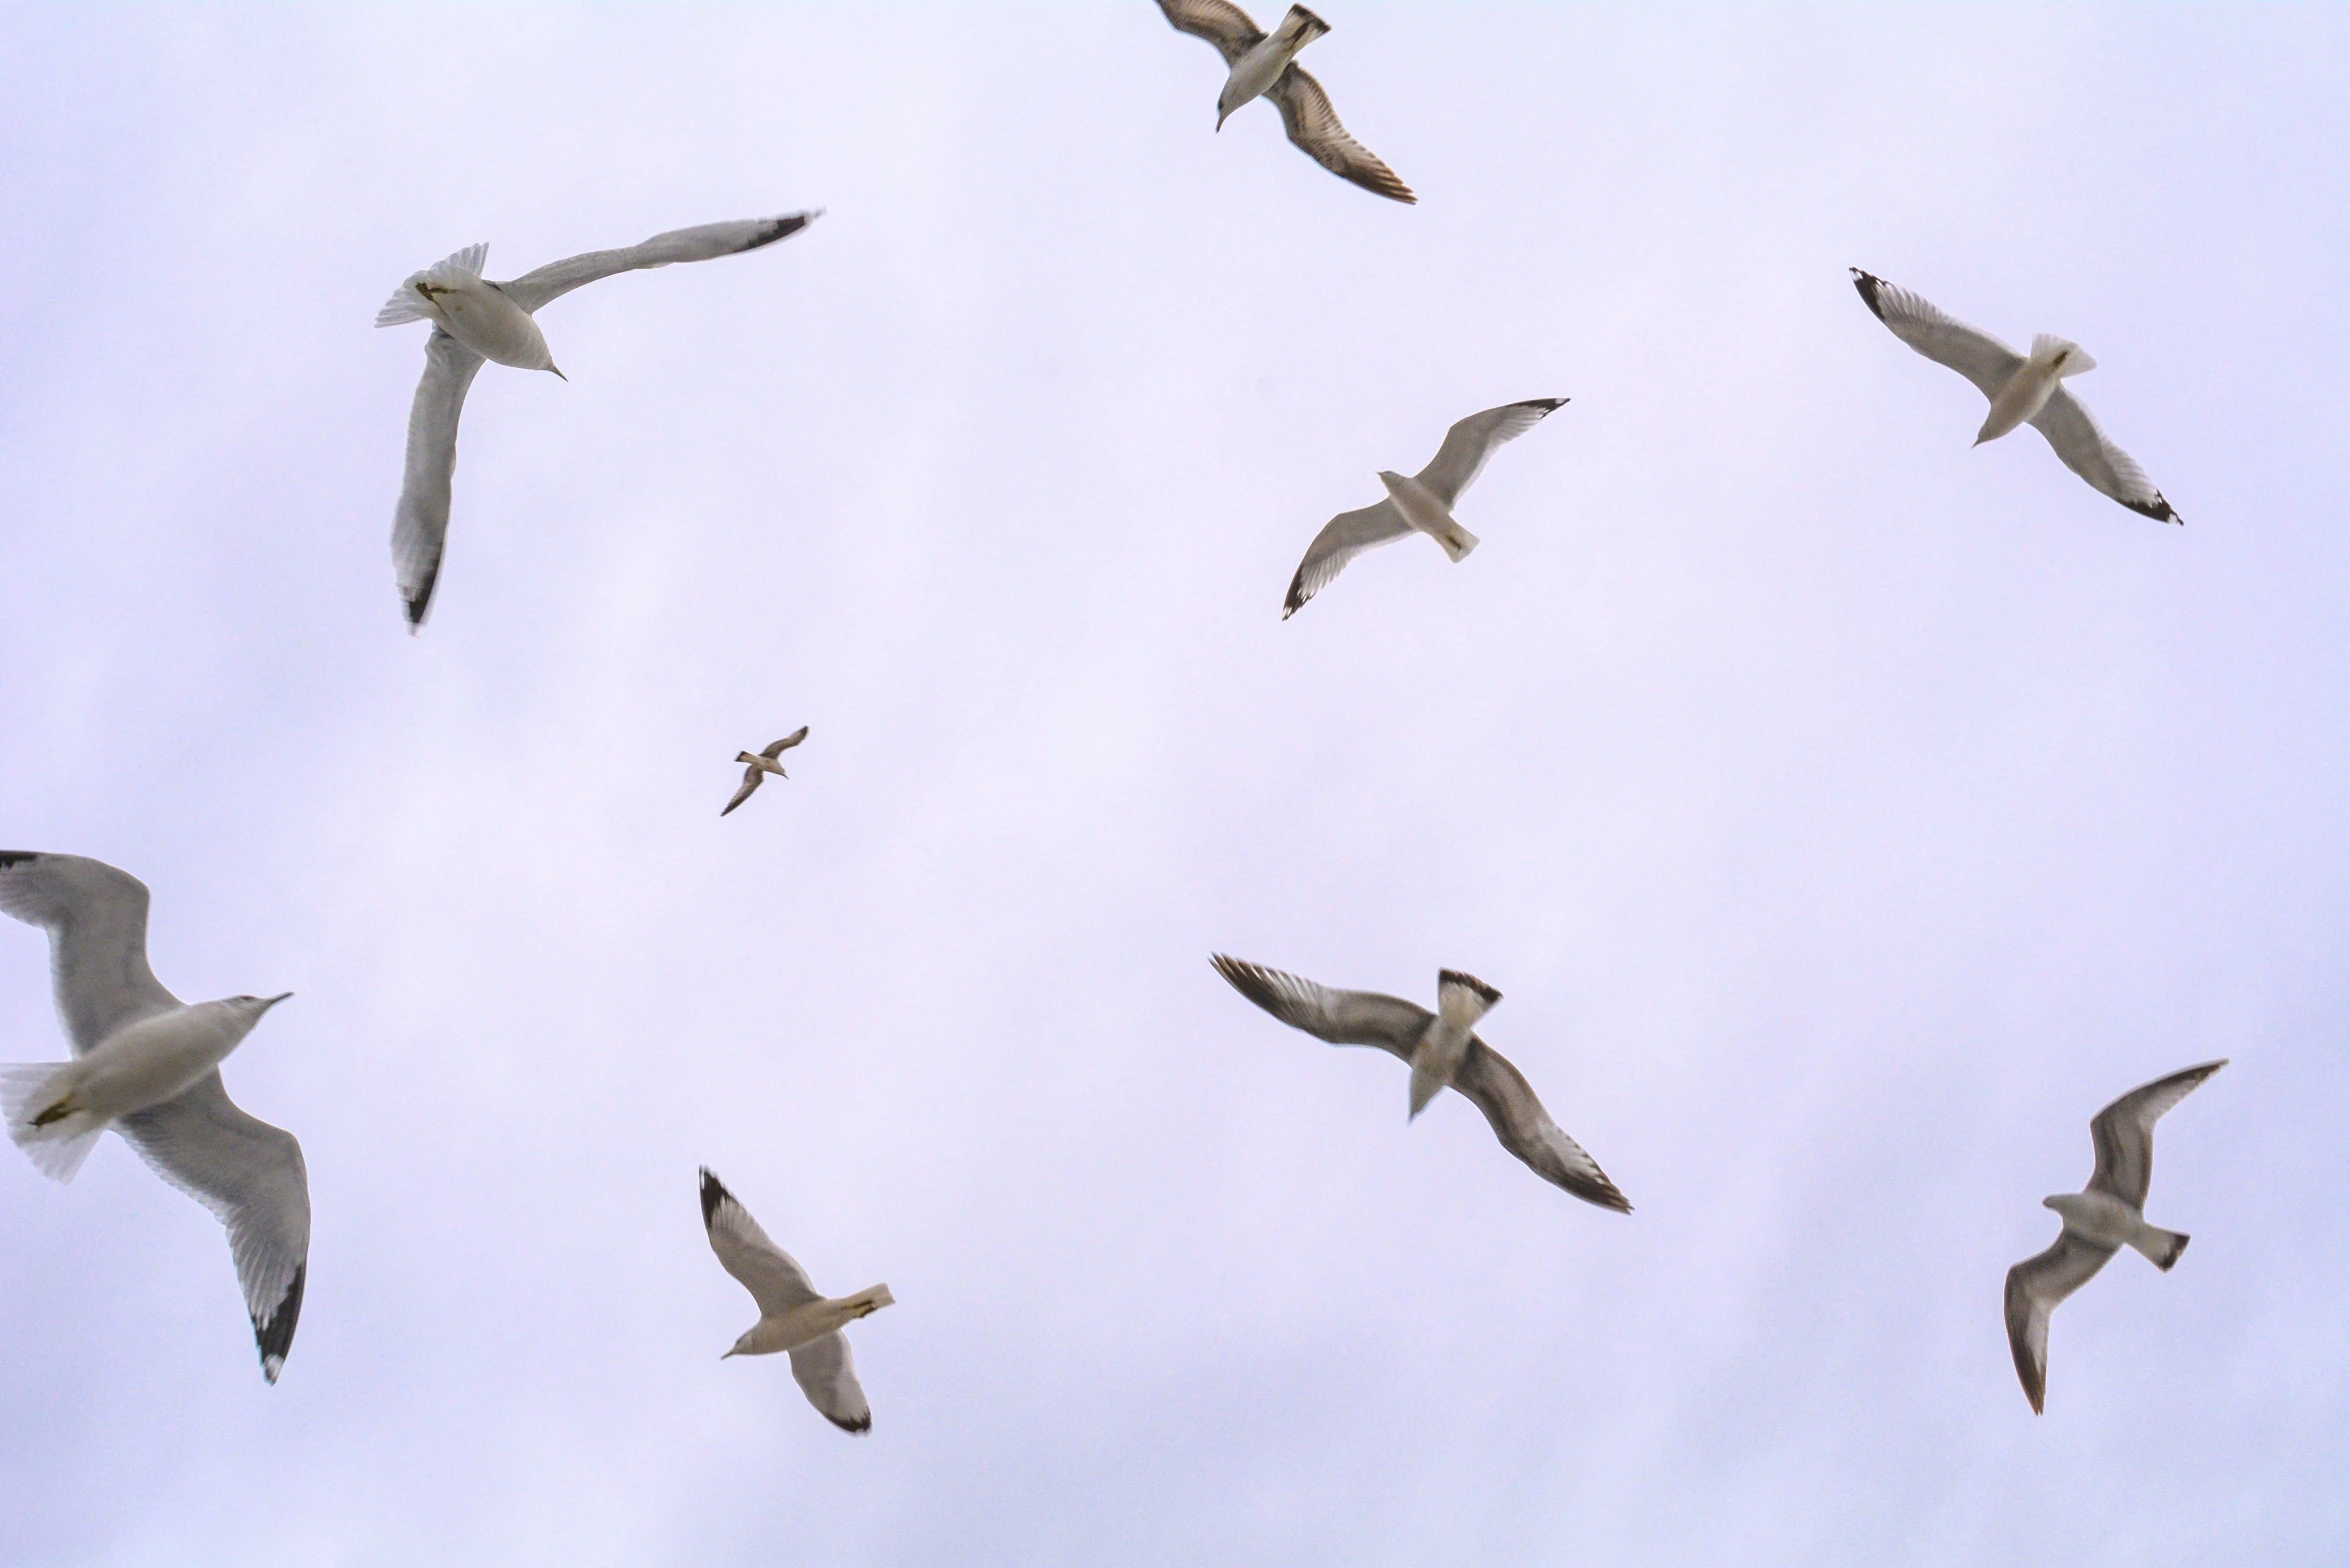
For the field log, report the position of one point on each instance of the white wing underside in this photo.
(772, 1276)
(2123, 1133)
(827, 1374)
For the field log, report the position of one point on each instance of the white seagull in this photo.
(791, 1315)
(760, 764)
(1262, 65)
(1443, 1051)
(2023, 388)
(1422, 503)
(475, 320)
(2099, 1221)
(148, 1065)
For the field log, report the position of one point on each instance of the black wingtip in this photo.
(713, 1193)
(2158, 509)
(274, 1335)
(17, 857)
(1868, 283)
(1549, 405)
(782, 228)
(853, 1428)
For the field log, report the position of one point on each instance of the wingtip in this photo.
(713, 1193)
(1868, 283)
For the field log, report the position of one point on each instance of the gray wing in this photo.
(1342, 538)
(1974, 354)
(827, 1374)
(251, 1176)
(2124, 1132)
(420, 524)
(751, 778)
(1526, 1130)
(2034, 1287)
(1471, 441)
(534, 290)
(776, 1282)
(786, 744)
(1313, 126)
(2086, 451)
(96, 917)
(1340, 1017)
(1220, 22)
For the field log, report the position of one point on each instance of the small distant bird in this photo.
(1443, 1051)
(2023, 388)
(475, 320)
(762, 764)
(2099, 1221)
(1261, 66)
(148, 1065)
(791, 1315)
(1422, 503)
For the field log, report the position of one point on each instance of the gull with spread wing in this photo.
(1263, 64)
(792, 1316)
(759, 764)
(148, 1065)
(2100, 1220)
(474, 320)
(1443, 1051)
(1422, 503)
(2023, 388)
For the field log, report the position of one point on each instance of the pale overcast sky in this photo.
(1845, 814)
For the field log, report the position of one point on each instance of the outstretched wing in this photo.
(786, 744)
(776, 1282)
(751, 778)
(1340, 1017)
(420, 524)
(2086, 451)
(1471, 441)
(2124, 1132)
(2034, 1287)
(827, 1374)
(1342, 538)
(1313, 126)
(1526, 1130)
(251, 1176)
(1973, 353)
(534, 290)
(96, 917)
(1218, 21)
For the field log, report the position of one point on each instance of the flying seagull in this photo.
(1262, 65)
(148, 1065)
(2023, 388)
(475, 320)
(1423, 502)
(791, 1315)
(762, 764)
(1442, 1050)
(2099, 1221)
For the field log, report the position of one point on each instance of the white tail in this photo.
(2066, 357)
(407, 305)
(58, 1147)
(872, 1299)
(1457, 541)
(2162, 1247)
(1301, 25)
(1463, 999)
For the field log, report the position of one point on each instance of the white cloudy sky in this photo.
(1845, 813)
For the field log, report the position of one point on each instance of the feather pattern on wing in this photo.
(2110, 471)
(420, 523)
(2034, 1287)
(1342, 538)
(704, 242)
(772, 1276)
(1313, 126)
(786, 744)
(1220, 22)
(2123, 1132)
(1340, 1017)
(827, 1374)
(1472, 441)
(96, 917)
(1526, 1130)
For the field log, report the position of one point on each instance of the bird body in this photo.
(1261, 65)
(2028, 390)
(1421, 508)
(758, 764)
(1460, 1001)
(809, 1321)
(793, 1318)
(454, 296)
(137, 1040)
(2100, 1220)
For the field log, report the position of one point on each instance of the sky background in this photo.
(1845, 814)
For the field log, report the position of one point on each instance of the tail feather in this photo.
(1457, 541)
(2068, 357)
(53, 1136)
(2161, 1247)
(407, 305)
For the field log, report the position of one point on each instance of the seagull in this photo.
(2099, 1221)
(791, 1315)
(1442, 1050)
(474, 319)
(1423, 502)
(1261, 66)
(2023, 388)
(148, 1065)
(763, 764)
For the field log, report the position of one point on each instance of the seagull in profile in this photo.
(1422, 503)
(2099, 1220)
(758, 765)
(473, 320)
(1262, 65)
(791, 1315)
(2023, 389)
(148, 1065)
(1443, 1051)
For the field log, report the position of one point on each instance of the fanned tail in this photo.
(406, 304)
(55, 1140)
